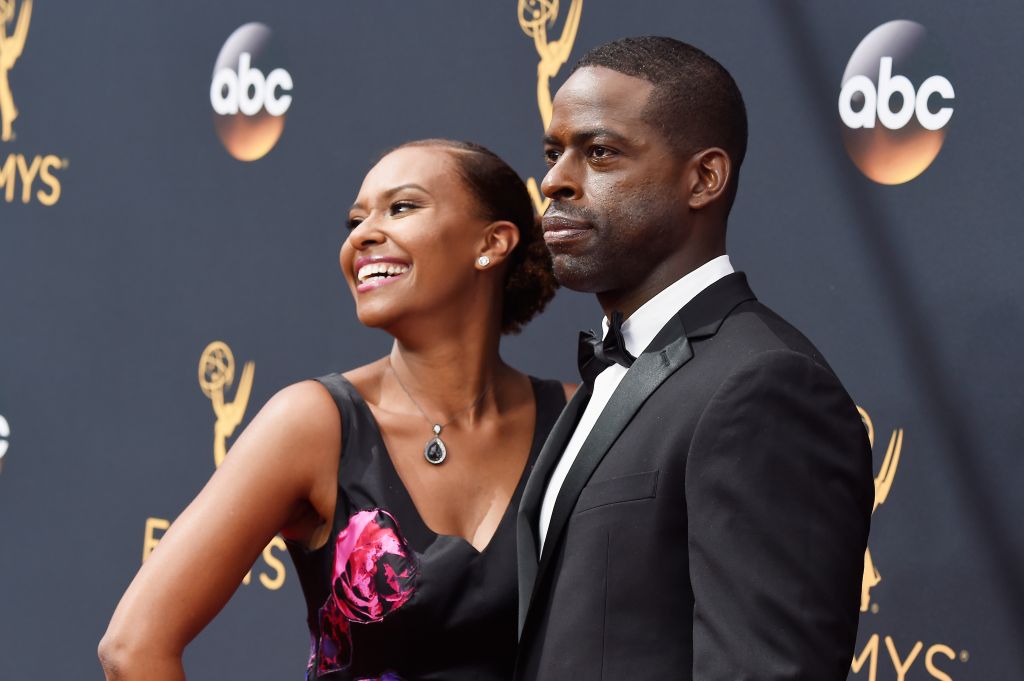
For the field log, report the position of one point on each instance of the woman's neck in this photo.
(446, 369)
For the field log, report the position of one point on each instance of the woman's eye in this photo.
(399, 207)
(353, 223)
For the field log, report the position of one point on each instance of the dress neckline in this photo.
(535, 444)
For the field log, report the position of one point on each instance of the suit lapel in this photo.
(703, 315)
(533, 495)
(669, 351)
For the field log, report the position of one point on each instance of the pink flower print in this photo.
(374, 569)
(335, 649)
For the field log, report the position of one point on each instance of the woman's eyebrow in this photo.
(394, 190)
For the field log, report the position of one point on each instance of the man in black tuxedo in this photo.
(701, 509)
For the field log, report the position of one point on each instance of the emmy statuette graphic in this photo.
(536, 17)
(883, 485)
(11, 47)
(216, 373)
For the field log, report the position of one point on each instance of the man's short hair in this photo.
(695, 101)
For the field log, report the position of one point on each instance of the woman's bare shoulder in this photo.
(300, 423)
(305, 406)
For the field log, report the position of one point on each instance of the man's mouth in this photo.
(560, 228)
(375, 271)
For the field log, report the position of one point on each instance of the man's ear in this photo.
(711, 170)
(500, 239)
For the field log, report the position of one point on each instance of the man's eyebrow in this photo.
(394, 190)
(581, 136)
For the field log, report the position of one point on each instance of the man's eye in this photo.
(353, 223)
(600, 152)
(551, 156)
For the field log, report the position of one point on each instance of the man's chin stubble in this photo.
(578, 274)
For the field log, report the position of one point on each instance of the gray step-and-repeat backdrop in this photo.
(174, 179)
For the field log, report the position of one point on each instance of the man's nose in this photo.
(562, 182)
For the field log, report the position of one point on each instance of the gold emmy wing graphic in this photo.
(216, 373)
(535, 18)
(11, 47)
(883, 484)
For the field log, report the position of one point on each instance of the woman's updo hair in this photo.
(529, 280)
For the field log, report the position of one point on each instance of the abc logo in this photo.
(230, 91)
(892, 129)
(5, 432)
(250, 93)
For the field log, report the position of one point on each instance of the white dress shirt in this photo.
(638, 331)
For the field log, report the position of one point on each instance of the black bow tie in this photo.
(596, 355)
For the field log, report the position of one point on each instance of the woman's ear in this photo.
(500, 239)
(711, 172)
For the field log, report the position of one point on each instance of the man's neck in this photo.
(628, 301)
(645, 323)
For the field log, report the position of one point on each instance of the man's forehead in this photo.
(595, 90)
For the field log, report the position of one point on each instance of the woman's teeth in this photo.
(380, 269)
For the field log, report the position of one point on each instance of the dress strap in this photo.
(550, 396)
(360, 439)
(340, 389)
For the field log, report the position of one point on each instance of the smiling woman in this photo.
(476, 184)
(404, 542)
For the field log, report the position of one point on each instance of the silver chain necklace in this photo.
(435, 451)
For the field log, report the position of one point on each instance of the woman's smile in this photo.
(375, 271)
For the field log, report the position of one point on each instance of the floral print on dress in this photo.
(374, 574)
(335, 650)
(374, 570)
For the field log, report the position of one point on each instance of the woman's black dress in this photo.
(389, 599)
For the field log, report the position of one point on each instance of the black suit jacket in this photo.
(713, 525)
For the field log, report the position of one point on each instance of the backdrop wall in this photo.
(132, 238)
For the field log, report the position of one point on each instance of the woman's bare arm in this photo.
(279, 476)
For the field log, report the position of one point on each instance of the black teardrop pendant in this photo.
(435, 451)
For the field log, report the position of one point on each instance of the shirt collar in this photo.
(643, 325)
